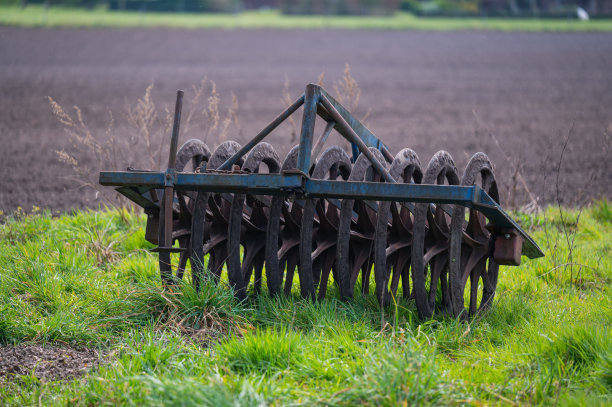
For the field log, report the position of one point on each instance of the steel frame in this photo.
(143, 187)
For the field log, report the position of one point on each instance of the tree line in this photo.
(518, 8)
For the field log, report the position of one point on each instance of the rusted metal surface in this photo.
(152, 228)
(507, 247)
(165, 214)
(333, 218)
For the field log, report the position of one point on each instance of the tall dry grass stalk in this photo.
(287, 100)
(205, 117)
(346, 91)
(517, 184)
(145, 143)
(148, 128)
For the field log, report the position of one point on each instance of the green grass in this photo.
(36, 16)
(87, 279)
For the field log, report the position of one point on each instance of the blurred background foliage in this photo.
(507, 8)
(432, 8)
(339, 7)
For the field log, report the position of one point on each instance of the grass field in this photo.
(36, 16)
(87, 279)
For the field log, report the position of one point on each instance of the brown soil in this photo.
(47, 363)
(426, 90)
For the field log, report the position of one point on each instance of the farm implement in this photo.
(438, 237)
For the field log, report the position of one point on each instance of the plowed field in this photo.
(425, 90)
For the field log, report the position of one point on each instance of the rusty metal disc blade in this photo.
(247, 225)
(470, 245)
(213, 217)
(440, 169)
(281, 227)
(393, 237)
(333, 163)
(350, 255)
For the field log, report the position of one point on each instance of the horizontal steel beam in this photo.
(283, 184)
(255, 184)
(379, 191)
(154, 179)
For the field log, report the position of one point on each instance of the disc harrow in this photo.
(333, 218)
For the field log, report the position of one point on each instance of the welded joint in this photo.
(480, 200)
(476, 194)
(170, 177)
(296, 171)
(293, 193)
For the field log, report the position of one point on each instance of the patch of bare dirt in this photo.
(48, 363)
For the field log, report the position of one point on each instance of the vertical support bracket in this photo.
(312, 95)
(165, 213)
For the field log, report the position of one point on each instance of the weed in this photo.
(517, 182)
(203, 316)
(290, 122)
(146, 144)
(348, 92)
(579, 350)
(602, 211)
(263, 351)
